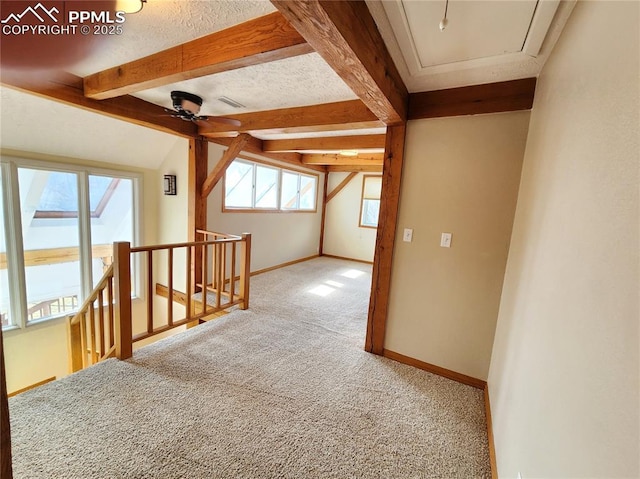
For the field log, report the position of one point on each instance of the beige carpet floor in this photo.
(282, 390)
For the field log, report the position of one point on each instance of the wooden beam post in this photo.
(228, 156)
(385, 239)
(342, 184)
(75, 345)
(197, 207)
(324, 213)
(122, 280)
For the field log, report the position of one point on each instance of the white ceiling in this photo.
(32, 124)
(483, 43)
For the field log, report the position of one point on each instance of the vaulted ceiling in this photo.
(299, 70)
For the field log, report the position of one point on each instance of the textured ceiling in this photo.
(48, 127)
(297, 81)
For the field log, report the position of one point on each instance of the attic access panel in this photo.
(478, 33)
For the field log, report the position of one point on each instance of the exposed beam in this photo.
(342, 115)
(473, 100)
(40, 257)
(67, 89)
(364, 159)
(355, 142)
(197, 204)
(346, 36)
(260, 40)
(359, 168)
(324, 214)
(385, 240)
(254, 145)
(228, 156)
(340, 187)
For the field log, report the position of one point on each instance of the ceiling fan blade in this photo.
(219, 119)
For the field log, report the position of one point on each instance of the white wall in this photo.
(342, 234)
(460, 176)
(276, 238)
(564, 372)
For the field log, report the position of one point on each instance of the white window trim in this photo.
(13, 227)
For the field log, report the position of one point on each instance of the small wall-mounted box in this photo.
(170, 185)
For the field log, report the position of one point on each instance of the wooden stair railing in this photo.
(103, 329)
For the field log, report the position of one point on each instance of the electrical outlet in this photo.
(445, 240)
(408, 235)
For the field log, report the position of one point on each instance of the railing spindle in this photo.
(101, 322)
(110, 310)
(245, 270)
(92, 330)
(170, 281)
(205, 276)
(83, 339)
(190, 278)
(232, 280)
(149, 291)
(219, 274)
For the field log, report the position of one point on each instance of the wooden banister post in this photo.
(245, 269)
(122, 280)
(75, 345)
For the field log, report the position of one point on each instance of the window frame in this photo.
(278, 209)
(362, 199)
(12, 218)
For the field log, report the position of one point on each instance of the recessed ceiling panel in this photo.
(475, 30)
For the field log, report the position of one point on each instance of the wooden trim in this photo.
(341, 186)
(432, 368)
(369, 159)
(354, 142)
(67, 89)
(32, 386)
(385, 240)
(254, 146)
(264, 39)
(324, 213)
(492, 446)
(356, 168)
(178, 296)
(351, 114)
(347, 259)
(40, 257)
(497, 97)
(227, 157)
(347, 38)
(284, 265)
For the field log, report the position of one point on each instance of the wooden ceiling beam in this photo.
(371, 159)
(265, 39)
(66, 88)
(228, 156)
(350, 168)
(354, 142)
(346, 36)
(352, 114)
(254, 146)
(473, 100)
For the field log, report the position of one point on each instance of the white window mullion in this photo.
(84, 231)
(15, 250)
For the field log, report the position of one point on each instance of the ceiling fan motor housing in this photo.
(187, 102)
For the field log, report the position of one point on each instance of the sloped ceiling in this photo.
(51, 128)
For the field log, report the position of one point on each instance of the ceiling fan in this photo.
(186, 106)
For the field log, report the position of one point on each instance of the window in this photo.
(253, 186)
(59, 224)
(370, 207)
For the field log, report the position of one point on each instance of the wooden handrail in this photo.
(105, 330)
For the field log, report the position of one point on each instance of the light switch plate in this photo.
(408, 235)
(445, 240)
